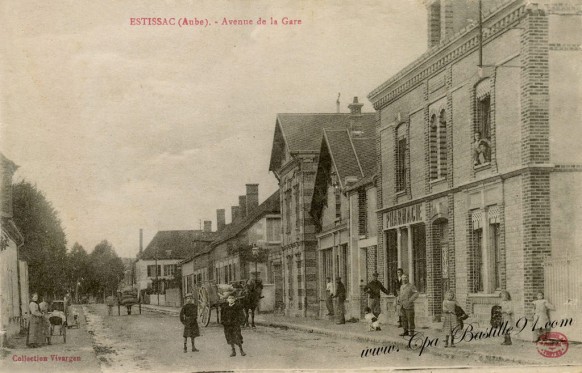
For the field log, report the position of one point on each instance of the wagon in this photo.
(211, 296)
(58, 320)
(128, 298)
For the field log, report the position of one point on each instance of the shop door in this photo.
(441, 264)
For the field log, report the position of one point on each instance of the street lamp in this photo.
(255, 250)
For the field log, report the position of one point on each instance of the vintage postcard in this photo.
(254, 185)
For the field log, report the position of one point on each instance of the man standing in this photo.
(329, 297)
(340, 294)
(373, 289)
(397, 285)
(408, 295)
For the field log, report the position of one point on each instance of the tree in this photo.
(78, 268)
(44, 239)
(106, 269)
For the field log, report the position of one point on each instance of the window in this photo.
(392, 259)
(297, 207)
(482, 131)
(345, 265)
(273, 230)
(288, 210)
(189, 284)
(401, 156)
(152, 270)
(419, 256)
(486, 251)
(438, 146)
(362, 212)
(169, 269)
(338, 203)
(327, 259)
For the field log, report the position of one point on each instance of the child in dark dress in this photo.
(188, 317)
(232, 317)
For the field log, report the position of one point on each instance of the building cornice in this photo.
(439, 57)
(479, 182)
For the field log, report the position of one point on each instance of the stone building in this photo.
(294, 160)
(478, 183)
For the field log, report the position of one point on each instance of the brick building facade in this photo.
(474, 169)
(294, 160)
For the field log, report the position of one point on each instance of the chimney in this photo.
(242, 203)
(337, 103)
(252, 197)
(235, 212)
(220, 219)
(140, 240)
(355, 107)
(207, 226)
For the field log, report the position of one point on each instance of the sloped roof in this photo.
(270, 206)
(178, 244)
(366, 153)
(342, 154)
(303, 132)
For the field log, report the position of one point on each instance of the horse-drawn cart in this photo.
(213, 296)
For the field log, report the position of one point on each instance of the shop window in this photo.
(392, 259)
(401, 157)
(419, 257)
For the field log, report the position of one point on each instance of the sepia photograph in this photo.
(290, 185)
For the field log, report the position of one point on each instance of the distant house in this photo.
(229, 257)
(168, 248)
(13, 271)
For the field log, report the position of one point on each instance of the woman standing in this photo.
(36, 329)
(507, 314)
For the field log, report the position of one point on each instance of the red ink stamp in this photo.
(552, 344)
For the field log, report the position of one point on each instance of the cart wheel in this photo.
(203, 306)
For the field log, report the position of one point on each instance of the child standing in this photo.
(373, 323)
(507, 314)
(541, 315)
(188, 317)
(232, 317)
(449, 317)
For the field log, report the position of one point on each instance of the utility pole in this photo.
(480, 36)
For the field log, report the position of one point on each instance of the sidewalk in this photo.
(76, 355)
(486, 350)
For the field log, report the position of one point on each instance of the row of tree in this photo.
(52, 270)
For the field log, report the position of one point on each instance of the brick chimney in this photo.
(234, 212)
(242, 203)
(447, 17)
(355, 107)
(207, 226)
(220, 219)
(252, 197)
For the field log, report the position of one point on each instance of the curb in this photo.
(381, 341)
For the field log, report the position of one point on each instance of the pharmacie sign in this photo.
(404, 216)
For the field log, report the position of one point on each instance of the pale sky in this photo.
(155, 127)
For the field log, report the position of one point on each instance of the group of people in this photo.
(453, 315)
(232, 317)
(39, 325)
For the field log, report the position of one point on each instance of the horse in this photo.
(250, 300)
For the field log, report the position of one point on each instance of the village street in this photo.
(153, 342)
